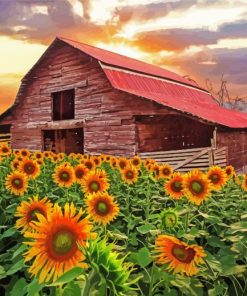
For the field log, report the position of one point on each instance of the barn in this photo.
(79, 98)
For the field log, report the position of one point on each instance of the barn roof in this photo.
(162, 86)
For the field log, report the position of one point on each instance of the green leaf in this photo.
(19, 251)
(68, 276)
(145, 228)
(17, 266)
(143, 257)
(8, 233)
(34, 287)
(19, 288)
(2, 272)
(72, 289)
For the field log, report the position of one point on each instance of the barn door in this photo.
(64, 140)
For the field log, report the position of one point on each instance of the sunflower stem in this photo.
(90, 282)
(150, 290)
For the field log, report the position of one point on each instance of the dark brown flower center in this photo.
(129, 175)
(5, 150)
(62, 242)
(79, 173)
(17, 183)
(176, 186)
(135, 162)
(122, 164)
(228, 171)
(183, 254)
(29, 168)
(166, 171)
(196, 187)
(88, 164)
(214, 178)
(24, 153)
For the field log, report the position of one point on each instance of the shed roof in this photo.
(162, 86)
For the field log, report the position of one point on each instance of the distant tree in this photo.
(223, 98)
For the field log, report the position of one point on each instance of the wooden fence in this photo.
(188, 159)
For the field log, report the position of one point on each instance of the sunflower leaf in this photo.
(68, 276)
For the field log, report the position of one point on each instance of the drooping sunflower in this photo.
(16, 183)
(230, 172)
(166, 171)
(64, 175)
(24, 152)
(129, 174)
(174, 186)
(27, 212)
(181, 257)
(80, 172)
(102, 208)
(56, 242)
(5, 150)
(122, 163)
(30, 168)
(217, 177)
(94, 182)
(197, 187)
(136, 161)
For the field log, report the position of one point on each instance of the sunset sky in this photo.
(199, 38)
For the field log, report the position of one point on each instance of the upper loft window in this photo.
(63, 105)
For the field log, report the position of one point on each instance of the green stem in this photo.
(90, 281)
(150, 291)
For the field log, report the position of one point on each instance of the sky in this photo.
(201, 39)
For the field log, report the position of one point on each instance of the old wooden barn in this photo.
(79, 98)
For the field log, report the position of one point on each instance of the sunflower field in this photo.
(81, 225)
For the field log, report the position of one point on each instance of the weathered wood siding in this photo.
(236, 141)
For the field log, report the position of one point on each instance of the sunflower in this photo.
(169, 218)
(196, 186)
(129, 174)
(166, 171)
(80, 172)
(56, 243)
(230, 172)
(217, 177)
(113, 162)
(24, 152)
(64, 175)
(5, 150)
(102, 208)
(155, 169)
(27, 212)
(89, 163)
(30, 168)
(181, 257)
(38, 155)
(122, 163)
(16, 183)
(40, 162)
(174, 186)
(244, 183)
(136, 161)
(96, 160)
(94, 182)
(15, 164)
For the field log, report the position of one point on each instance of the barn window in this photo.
(63, 105)
(5, 134)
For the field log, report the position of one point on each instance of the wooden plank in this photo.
(173, 151)
(189, 160)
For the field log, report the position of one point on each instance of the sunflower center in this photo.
(5, 150)
(29, 168)
(94, 186)
(102, 208)
(135, 162)
(176, 186)
(228, 171)
(24, 153)
(183, 254)
(62, 242)
(89, 165)
(64, 176)
(166, 171)
(17, 183)
(129, 174)
(122, 165)
(197, 187)
(79, 173)
(215, 178)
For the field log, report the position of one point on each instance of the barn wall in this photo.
(236, 141)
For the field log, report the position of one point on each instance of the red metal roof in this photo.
(178, 97)
(118, 60)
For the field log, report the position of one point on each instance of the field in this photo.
(100, 225)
